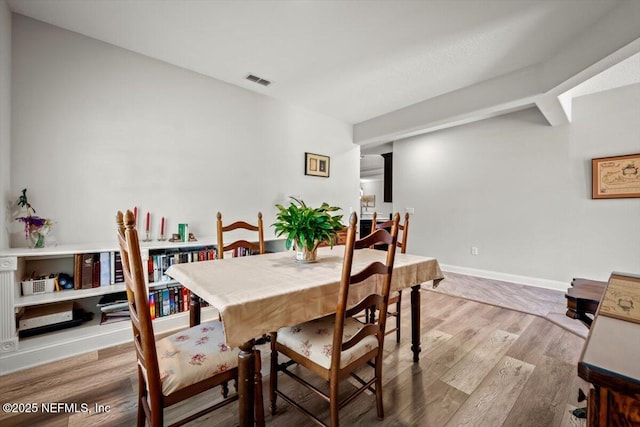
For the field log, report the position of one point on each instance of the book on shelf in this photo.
(87, 271)
(112, 268)
(115, 307)
(77, 271)
(115, 316)
(152, 305)
(109, 302)
(95, 279)
(118, 272)
(105, 268)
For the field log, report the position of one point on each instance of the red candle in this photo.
(162, 227)
(135, 214)
(147, 228)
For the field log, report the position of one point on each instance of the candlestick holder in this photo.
(147, 238)
(161, 238)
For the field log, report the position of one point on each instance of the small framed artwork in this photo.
(316, 165)
(368, 201)
(616, 177)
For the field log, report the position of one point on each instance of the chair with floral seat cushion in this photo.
(335, 346)
(396, 297)
(179, 366)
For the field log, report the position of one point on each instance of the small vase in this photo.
(303, 254)
(37, 240)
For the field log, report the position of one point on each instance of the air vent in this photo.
(260, 81)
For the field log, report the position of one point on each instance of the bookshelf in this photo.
(18, 353)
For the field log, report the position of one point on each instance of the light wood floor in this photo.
(481, 365)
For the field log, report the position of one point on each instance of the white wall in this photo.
(520, 191)
(5, 118)
(97, 128)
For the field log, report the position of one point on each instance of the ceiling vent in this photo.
(260, 81)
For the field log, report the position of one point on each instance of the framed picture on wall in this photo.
(616, 177)
(368, 201)
(316, 165)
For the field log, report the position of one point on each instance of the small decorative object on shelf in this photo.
(162, 238)
(35, 227)
(147, 228)
(183, 230)
(175, 237)
(306, 227)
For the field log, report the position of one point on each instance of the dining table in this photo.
(257, 295)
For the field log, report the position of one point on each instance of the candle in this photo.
(162, 227)
(135, 214)
(147, 227)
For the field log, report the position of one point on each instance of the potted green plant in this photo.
(306, 227)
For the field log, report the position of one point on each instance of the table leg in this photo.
(246, 392)
(194, 310)
(415, 322)
(415, 319)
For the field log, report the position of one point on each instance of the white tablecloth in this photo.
(260, 294)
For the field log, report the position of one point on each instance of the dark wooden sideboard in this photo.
(610, 359)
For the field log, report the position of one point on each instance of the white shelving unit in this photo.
(19, 353)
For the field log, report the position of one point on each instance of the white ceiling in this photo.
(352, 60)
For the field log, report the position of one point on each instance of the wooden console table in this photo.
(610, 359)
(583, 298)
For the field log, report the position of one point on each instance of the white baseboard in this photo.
(505, 277)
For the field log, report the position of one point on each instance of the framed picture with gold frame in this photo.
(616, 177)
(316, 165)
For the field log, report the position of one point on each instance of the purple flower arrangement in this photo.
(34, 226)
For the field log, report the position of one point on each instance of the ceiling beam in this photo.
(556, 112)
(608, 42)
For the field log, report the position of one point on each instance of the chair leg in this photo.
(333, 402)
(259, 405)
(273, 374)
(141, 419)
(225, 389)
(378, 371)
(398, 317)
(142, 394)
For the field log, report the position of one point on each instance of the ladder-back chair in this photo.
(396, 297)
(335, 346)
(179, 366)
(240, 243)
(252, 247)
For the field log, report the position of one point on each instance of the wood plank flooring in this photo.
(481, 365)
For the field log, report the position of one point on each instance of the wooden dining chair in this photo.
(257, 246)
(252, 247)
(176, 367)
(341, 239)
(335, 346)
(396, 297)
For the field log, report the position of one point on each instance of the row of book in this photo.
(163, 301)
(92, 270)
(169, 300)
(159, 262)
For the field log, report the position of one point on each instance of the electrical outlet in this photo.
(411, 211)
(474, 250)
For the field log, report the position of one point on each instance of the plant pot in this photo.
(303, 254)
